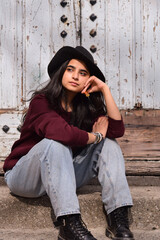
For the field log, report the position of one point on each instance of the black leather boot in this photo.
(73, 228)
(118, 225)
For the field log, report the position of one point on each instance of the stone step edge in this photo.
(145, 211)
(52, 233)
(132, 181)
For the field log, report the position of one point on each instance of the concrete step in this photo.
(51, 234)
(22, 218)
(16, 212)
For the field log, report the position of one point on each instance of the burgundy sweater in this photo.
(43, 122)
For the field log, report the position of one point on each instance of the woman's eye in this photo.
(69, 69)
(83, 73)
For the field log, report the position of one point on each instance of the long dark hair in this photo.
(85, 109)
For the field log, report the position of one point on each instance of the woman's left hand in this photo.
(93, 84)
(101, 125)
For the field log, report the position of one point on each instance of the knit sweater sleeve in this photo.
(116, 128)
(47, 123)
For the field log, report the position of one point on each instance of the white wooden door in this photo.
(31, 33)
(123, 37)
(11, 82)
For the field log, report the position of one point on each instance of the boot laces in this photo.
(121, 217)
(79, 228)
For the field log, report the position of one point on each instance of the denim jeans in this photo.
(49, 167)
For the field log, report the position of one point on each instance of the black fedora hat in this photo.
(80, 53)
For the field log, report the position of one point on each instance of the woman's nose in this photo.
(75, 75)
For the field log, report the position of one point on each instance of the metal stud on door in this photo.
(65, 21)
(93, 29)
(93, 48)
(5, 128)
(63, 3)
(93, 17)
(64, 18)
(93, 2)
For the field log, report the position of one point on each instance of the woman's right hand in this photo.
(101, 125)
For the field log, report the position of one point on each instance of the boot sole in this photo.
(110, 235)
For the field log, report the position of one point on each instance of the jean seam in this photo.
(111, 183)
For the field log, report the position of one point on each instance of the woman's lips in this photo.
(74, 83)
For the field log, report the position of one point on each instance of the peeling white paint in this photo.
(126, 41)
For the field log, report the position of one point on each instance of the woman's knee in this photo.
(47, 146)
(112, 150)
(23, 184)
(111, 144)
(111, 158)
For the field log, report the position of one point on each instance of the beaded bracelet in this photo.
(99, 137)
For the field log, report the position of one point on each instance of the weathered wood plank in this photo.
(12, 120)
(141, 143)
(120, 52)
(137, 58)
(93, 31)
(10, 54)
(71, 25)
(126, 52)
(142, 136)
(43, 37)
(143, 180)
(143, 168)
(112, 48)
(36, 35)
(134, 168)
(141, 117)
(150, 54)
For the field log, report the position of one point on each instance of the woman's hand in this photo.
(101, 125)
(93, 84)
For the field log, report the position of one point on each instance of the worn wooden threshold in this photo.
(142, 168)
(142, 135)
(141, 142)
(133, 168)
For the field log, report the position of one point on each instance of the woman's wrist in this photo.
(105, 89)
(99, 137)
(94, 137)
(91, 138)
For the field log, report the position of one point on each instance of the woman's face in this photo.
(75, 76)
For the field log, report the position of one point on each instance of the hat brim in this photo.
(68, 53)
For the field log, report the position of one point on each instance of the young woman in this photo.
(68, 137)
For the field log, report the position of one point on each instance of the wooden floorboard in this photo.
(140, 144)
(142, 135)
(133, 168)
(143, 168)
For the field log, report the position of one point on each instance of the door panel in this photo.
(150, 41)
(10, 54)
(120, 51)
(11, 79)
(27, 45)
(9, 131)
(93, 30)
(123, 37)
(48, 26)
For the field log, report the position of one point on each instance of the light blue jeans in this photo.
(49, 167)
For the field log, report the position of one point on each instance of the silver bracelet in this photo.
(99, 137)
